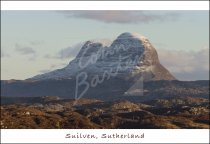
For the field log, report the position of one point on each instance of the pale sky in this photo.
(32, 42)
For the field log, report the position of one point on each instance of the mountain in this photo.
(130, 56)
(100, 69)
(119, 85)
(125, 69)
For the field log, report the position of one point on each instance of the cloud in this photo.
(3, 54)
(66, 53)
(26, 50)
(184, 65)
(70, 52)
(118, 16)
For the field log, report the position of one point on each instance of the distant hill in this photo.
(109, 90)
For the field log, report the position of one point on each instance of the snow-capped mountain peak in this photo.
(128, 35)
(130, 54)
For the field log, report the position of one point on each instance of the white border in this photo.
(150, 136)
(105, 5)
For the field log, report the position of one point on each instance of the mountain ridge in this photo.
(131, 51)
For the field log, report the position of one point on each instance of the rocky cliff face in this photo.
(130, 56)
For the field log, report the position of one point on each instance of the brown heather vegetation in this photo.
(58, 113)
